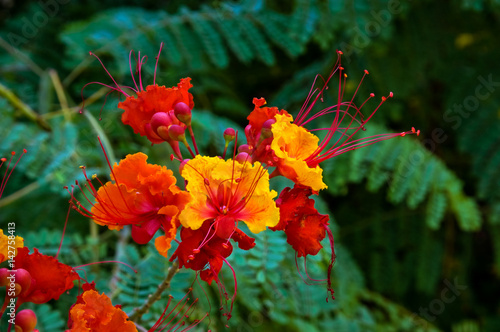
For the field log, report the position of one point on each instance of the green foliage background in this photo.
(409, 215)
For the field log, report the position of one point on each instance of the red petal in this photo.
(51, 278)
(245, 242)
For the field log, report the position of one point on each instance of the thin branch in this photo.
(18, 194)
(22, 107)
(21, 56)
(61, 95)
(138, 312)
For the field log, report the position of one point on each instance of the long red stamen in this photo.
(118, 88)
(156, 65)
(228, 314)
(7, 174)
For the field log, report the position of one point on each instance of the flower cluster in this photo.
(221, 194)
(219, 205)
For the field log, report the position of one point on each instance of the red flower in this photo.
(49, 277)
(140, 109)
(152, 110)
(304, 226)
(204, 250)
(203, 246)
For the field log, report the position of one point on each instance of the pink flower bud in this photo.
(162, 131)
(176, 133)
(245, 148)
(183, 112)
(229, 134)
(25, 320)
(23, 279)
(266, 128)
(242, 157)
(160, 119)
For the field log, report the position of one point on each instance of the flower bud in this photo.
(266, 128)
(183, 112)
(160, 119)
(162, 131)
(229, 135)
(159, 124)
(23, 279)
(20, 279)
(25, 321)
(245, 148)
(176, 133)
(242, 157)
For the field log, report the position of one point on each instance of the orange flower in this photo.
(95, 313)
(140, 194)
(4, 245)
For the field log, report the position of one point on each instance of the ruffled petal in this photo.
(96, 313)
(50, 278)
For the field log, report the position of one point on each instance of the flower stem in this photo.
(137, 313)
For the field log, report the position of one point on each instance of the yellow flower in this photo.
(230, 191)
(4, 246)
(292, 145)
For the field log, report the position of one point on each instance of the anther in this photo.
(366, 72)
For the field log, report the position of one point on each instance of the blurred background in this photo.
(416, 220)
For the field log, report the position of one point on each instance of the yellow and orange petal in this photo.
(292, 144)
(4, 246)
(139, 109)
(96, 313)
(208, 178)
